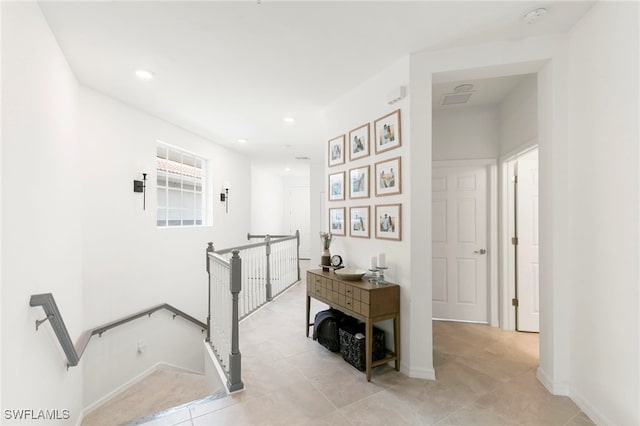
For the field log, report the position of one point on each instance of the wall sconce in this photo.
(224, 197)
(140, 186)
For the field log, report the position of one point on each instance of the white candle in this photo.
(382, 260)
(373, 262)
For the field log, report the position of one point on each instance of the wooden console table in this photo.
(366, 301)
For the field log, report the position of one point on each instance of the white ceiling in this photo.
(486, 91)
(229, 70)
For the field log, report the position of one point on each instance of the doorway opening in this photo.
(520, 259)
(496, 122)
(476, 148)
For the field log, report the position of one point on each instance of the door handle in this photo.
(481, 251)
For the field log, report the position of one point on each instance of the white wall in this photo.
(73, 226)
(466, 133)
(299, 214)
(603, 206)
(42, 189)
(1, 296)
(318, 192)
(129, 264)
(363, 104)
(268, 200)
(519, 117)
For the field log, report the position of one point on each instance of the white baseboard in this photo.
(418, 373)
(588, 408)
(555, 388)
(108, 397)
(584, 404)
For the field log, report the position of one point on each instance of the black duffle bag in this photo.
(326, 325)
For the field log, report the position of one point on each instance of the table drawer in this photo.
(364, 296)
(348, 291)
(356, 306)
(318, 290)
(349, 303)
(313, 279)
(356, 293)
(365, 309)
(342, 300)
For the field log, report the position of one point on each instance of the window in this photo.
(181, 196)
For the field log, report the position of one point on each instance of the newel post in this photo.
(268, 285)
(234, 381)
(209, 251)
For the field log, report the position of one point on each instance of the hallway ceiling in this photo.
(486, 91)
(235, 69)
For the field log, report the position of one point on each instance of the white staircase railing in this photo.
(242, 279)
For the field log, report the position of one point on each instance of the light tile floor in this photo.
(485, 376)
(160, 390)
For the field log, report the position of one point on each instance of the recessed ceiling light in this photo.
(144, 74)
(289, 120)
(242, 141)
(288, 169)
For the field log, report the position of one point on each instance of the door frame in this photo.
(507, 254)
(491, 165)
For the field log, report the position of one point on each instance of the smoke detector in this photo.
(535, 14)
(460, 95)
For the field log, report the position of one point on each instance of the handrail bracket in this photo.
(42, 321)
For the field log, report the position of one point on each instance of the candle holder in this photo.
(378, 276)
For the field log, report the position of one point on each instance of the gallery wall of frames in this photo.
(369, 182)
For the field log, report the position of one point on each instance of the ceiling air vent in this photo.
(455, 98)
(460, 95)
(303, 158)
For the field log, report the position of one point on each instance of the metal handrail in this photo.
(260, 244)
(74, 352)
(267, 237)
(249, 236)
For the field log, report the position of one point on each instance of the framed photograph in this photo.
(336, 151)
(359, 182)
(359, 142)
(359, 222)
(336, 221)
(388, 177)
(336, 186)
(387, 132)
(388, 221)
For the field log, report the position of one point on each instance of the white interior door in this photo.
(527, 282)
(299, 217)
(459, 220)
